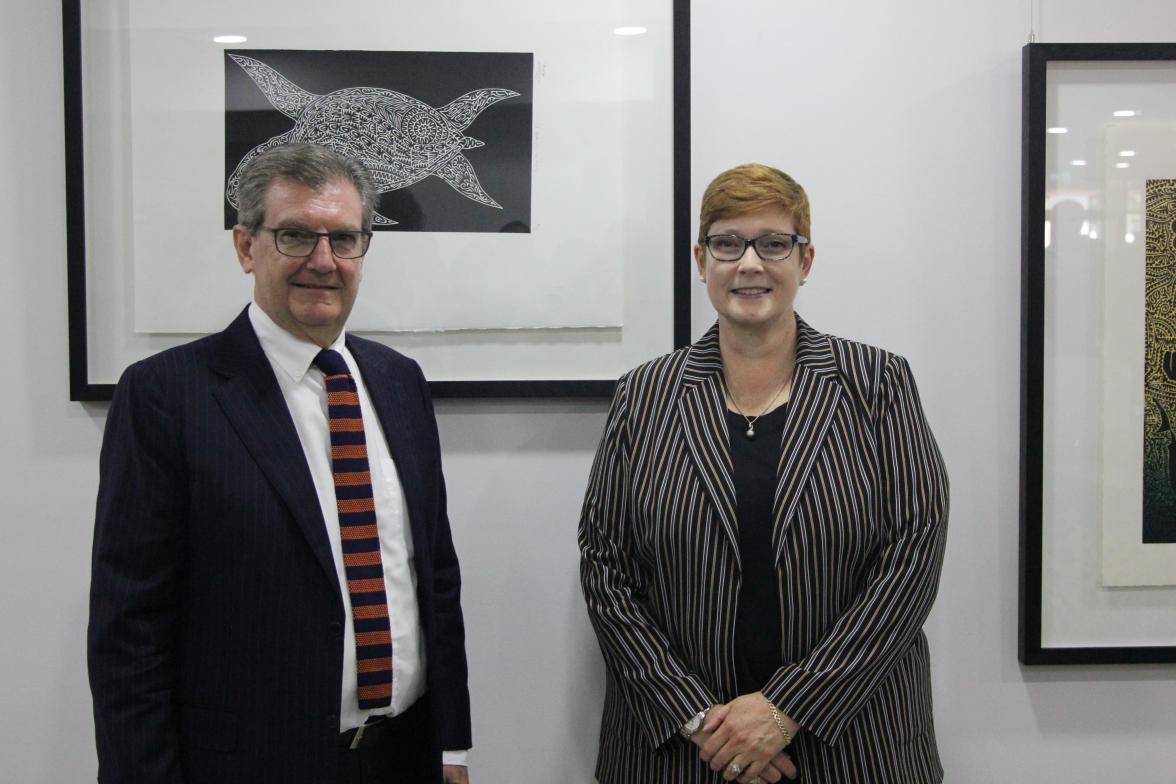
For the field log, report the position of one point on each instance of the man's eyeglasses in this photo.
(300, 243)
(770, 247)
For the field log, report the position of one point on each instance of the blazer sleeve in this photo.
(137, 560)
(447, 655)
(824, 691)
(658, 688)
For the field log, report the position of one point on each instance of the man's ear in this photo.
(243, 244)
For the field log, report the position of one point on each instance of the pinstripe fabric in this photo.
(860, 517)
(215, 639)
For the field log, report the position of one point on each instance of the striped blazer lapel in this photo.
(813, 403)
(704, 428)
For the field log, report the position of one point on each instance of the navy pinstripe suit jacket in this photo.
(215, 637)
(859, 520)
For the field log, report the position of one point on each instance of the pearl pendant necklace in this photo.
(750, 432)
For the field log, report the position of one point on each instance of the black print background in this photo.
(503, 165)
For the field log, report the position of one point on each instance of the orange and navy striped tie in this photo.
(357, 528)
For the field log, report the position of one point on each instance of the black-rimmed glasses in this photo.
(775, 246)
(300, 243)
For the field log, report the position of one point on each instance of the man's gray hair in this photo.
(311, 165)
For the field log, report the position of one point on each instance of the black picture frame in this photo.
(81, 388)
(1035, 94)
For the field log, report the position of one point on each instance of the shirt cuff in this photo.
(456, 758)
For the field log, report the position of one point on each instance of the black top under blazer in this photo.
(216, 619)
(860, 516)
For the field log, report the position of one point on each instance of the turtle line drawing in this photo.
(400, 139)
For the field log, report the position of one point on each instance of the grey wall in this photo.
(903, 120)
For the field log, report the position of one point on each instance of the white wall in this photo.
(903, 121)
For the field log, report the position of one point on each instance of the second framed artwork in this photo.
(533, 230)
(1098, 400)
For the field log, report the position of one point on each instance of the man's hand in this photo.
(456, 774)
(743, 732)
(778, 768)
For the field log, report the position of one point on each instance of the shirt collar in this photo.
(292, 354)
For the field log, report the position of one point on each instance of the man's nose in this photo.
(322, 258)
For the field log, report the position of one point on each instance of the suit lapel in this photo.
(391, 401)
(813, 403)
(704, 427)
(252, 401)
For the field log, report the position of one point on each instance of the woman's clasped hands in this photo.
(742, 739)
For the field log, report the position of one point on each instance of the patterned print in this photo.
(400, 139)
(1159, 385)
(860, 516)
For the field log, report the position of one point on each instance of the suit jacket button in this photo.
(333, 722)
(336, 628)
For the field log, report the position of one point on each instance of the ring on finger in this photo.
(735, 768)
(756, 780)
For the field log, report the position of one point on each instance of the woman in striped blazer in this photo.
(763, 532)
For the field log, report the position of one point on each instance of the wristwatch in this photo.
(691, 726)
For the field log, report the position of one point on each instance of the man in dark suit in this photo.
(275, 593)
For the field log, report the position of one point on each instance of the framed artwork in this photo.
(1098, 354)
(533, 228)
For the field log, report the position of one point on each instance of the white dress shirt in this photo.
(302, 386)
